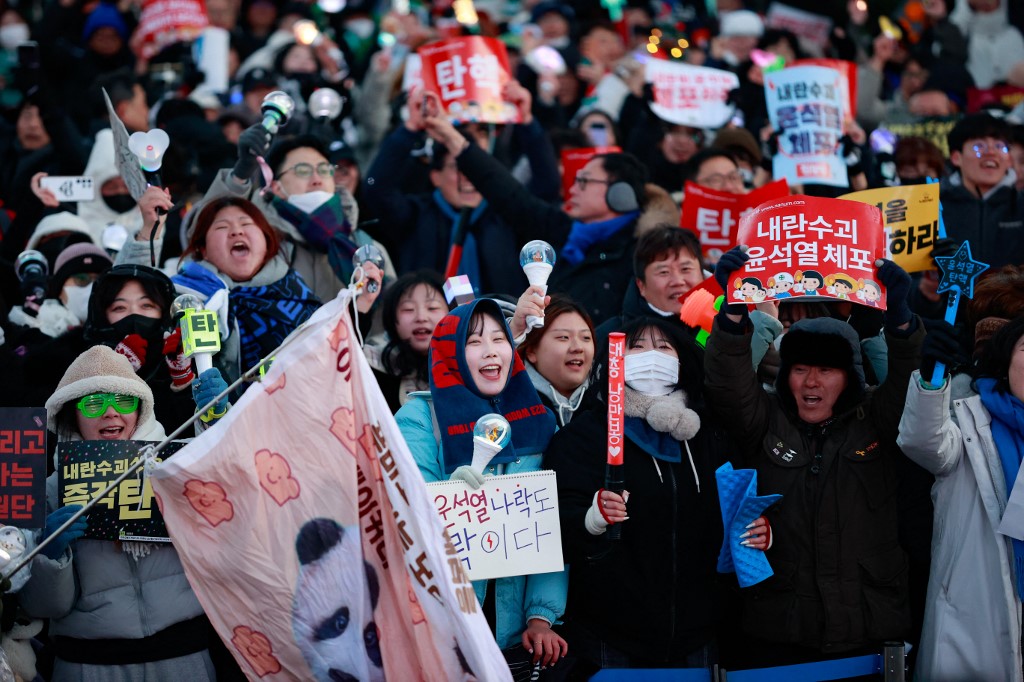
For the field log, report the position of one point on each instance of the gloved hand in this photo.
(55, 549)
(852, 155)
(941, 344)
(473, 478)
(254, 141)
(179, 366)
(730, 262)
(897, 285)
(606, 509)
(208, 386)
(944, 247)
(133, 347)
(758, 535)
(769, 148)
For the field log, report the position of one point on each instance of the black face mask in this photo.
(119, 203)
(147, 327)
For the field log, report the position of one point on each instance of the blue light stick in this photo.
(959, 273)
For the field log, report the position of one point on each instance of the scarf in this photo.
(1008, 433)
(566, 406)
(659, 423)
(458, 403)
(326, 230)
(584, 235)
(469, 265)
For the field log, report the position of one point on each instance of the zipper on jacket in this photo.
(675, 577)
(133, 566)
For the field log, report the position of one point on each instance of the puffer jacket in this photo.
(972, 620)
(840, 578)
(994, 225)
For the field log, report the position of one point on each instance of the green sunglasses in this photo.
(96, 404)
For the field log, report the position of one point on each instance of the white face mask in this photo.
(652, 372)
(310, 201)
(13, 35)
(78, 301)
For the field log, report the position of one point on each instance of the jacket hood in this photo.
(658, 210)
(101, 167)
(65, 221)
(100, 370)
(823, 342)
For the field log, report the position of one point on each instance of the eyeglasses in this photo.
(984, 147)
(582, 180)
(305, 170)
(96, 404)
(719, 180)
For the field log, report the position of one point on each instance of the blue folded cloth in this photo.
(740, 503)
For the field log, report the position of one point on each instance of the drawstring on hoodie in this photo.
(693, 467)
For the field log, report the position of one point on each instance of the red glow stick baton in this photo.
(613, 476)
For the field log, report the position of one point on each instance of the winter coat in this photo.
(651, 593)
(840, 578)
(517, 598)
(972, 621)
(994, 225)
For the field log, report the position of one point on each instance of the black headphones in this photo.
(621, 197)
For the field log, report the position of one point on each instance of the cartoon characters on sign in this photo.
(808, 282)
(256, 649)
(749, 290)
(841, 285)
(332, 613)
(210, 500)
(870, 292)
(275, 476)
(780, 285)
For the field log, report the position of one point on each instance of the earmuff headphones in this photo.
(621, 197)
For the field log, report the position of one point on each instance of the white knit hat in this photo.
(741, 22)
(99, 370)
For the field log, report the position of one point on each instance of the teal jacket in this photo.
(518, 598)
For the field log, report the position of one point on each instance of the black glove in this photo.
(944, 247)
(897, 285)
(852, 155)
(253, 142)
(731, 261)
(941, 344)
(769, 148)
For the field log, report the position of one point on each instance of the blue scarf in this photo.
(470, 263)
(265, 314)
(656, 444)
(458, 403)
(1008, 433)
(584, 235)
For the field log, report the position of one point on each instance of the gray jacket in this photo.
(972, 621)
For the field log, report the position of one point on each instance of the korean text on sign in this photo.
(468, 74)
(23, 466)
(911, 215)
(714, 215)
(509, 526)
(690, 95)
(809, 246)
(805, 105)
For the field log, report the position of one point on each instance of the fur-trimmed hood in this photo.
(659, 208)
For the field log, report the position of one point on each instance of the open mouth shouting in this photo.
(491, 372)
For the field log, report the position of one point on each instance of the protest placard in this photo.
(911, 215)
(848, 71)
(806, 110)
(165, 22)
(933, 129)
(695, 96)
(86, 468)
(509, 526)
(813, 28)
(468, 75)
(712, 214)
(1003, 96)
(809, 246)
(23, 466)
(573, 161)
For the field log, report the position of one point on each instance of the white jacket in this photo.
(972, 620)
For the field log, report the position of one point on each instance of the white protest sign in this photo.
(813, 29)
(690, 95)
(507, 527)
(127, 162)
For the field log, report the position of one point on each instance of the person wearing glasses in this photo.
(980, 201)
(117, 610)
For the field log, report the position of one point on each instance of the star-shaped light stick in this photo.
(959, 272)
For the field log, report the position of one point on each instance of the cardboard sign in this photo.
(23, 466)
(713, 215)
(911, 215)
(573, 161)
(507, 527)
(127, 163)
(805, 105)
(848, 71)
(165, 22)
(468, 75)
(809, 246)
(129, 512)
(688, 95)
(933, 129)
(813, 28)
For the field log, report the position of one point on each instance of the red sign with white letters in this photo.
(714, 215)
(468, 74)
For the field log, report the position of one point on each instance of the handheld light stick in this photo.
(200, 334)
(491, 435)
(149, 149)
(277, 108)
(959, 273)
(368, 253)
(537, 260)
(306, 32)
(613, 476)
(325, 104)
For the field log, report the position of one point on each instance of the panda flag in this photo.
(308, 535)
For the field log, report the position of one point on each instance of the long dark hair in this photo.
(399, 358)
(691, 357)
(998, 354)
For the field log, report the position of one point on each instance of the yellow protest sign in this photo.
(200, 332)
(911, 216)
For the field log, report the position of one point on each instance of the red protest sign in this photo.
(165, 22)
(616, 396)
(713, 215)
(809, 246)
(468, 75)
(848, 71)
(573, 161)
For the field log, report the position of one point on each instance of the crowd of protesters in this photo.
(895, 522)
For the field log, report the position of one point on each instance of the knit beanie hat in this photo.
(104, 16)
(99, 370)
(77, 259)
